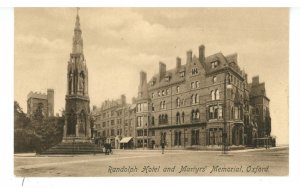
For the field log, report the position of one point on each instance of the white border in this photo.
(6, 108)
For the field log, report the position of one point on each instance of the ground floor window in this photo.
(177, 140)
(215, 136)
(195, 137)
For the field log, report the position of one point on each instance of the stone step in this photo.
(73, 148)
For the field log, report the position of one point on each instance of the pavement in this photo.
(248, 162)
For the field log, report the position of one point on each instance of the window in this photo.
(236, 112)
(167, 78)
(163, 93)
(177, 89)
(140, 122)
(196, 98)
(197, 84)
(215, 112)
(163, 105)
(220, 112)
(152, 107)
(214, 79)
(178, 102)
(194, 71)
(152, 120)
(177, 140)
(163, 119)
(192, 99)
(182, 117)
(192, 85)
(182, 74)
(167, 91)
(214, 64)
(195, 115)
(152, 95)
(217, 94)
(213, 97)
(177, 118)
(158, 93)
(195, 137)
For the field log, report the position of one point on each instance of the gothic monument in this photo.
(77, 124)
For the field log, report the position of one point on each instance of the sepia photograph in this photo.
(110, 92)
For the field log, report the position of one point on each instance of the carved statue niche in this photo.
(71, 80)
(81, 83)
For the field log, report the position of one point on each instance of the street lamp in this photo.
(224, 136)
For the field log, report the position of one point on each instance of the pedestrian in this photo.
(162, 147)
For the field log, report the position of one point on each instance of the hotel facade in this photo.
(204, 102)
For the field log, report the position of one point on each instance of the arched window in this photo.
(192, 99)
(197, 114)
(197, 84)
(161, 105)
(177, 102)
(177, 118)
(182, 117)
(192, 85)
(213, 97)
(177, 89)
(159, 119)
(217, 94)
(214, 79)
(192, 115)
(196, 98)
(163, 93)
(164, 105)
(166, 118)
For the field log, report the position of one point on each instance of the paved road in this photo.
(153, 163)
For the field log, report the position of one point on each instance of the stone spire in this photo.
(77, 39)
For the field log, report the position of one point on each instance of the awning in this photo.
(125, 139)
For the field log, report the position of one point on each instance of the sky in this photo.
(120, 42)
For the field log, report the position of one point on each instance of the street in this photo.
(259, 162)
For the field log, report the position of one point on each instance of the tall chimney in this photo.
(255, 80)
(162, 70)
(202, 53)
(178, 62)
(189, 56)
(123, 99)
(143, 77)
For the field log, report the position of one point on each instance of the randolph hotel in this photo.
(202, 103)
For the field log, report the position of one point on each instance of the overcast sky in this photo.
(119, 43)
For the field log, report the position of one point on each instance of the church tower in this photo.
(77, 116)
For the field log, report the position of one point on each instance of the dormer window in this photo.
(182, 74)
(167, 78)
(214, 64)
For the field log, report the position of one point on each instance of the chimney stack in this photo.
(202, 53)
(178, 62)
(123, 99)
(255, 80)
(189, 55)
(162, 70)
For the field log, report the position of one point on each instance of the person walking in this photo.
(162, 147)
